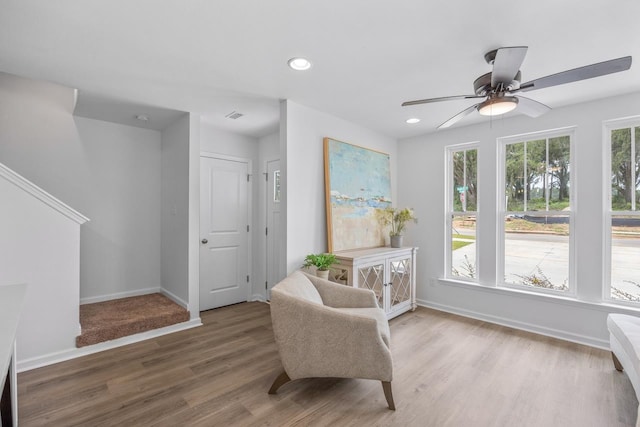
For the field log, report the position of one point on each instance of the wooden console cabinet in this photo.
(389, 272)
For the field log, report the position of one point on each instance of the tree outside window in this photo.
(624, 216)
(462, 205)
(536, 249)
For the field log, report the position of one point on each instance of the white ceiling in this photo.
(214, 57)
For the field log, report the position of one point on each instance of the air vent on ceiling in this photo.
(234, 115)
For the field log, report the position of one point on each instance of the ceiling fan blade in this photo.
(461, 115)
(507, 64)
(532, 108)
(444, 98)
(581, 73)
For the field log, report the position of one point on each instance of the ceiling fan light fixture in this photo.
(497, 106)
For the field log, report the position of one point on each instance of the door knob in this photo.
(205, 241)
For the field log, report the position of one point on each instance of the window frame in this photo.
(449, 212)
(501, 210)
(608, 127)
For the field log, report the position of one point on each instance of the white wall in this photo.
(302, 133)
(40, 247)
(120, 192)
(421, 185)
(175, 210)
(269, 147)
(108, 172)
(214, 140)
(194, 218)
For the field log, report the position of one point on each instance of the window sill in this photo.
(605, 306)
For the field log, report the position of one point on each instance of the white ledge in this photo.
(72, 353)
(41, 195)
(570, 300)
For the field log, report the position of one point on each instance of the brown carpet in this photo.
(108, 320)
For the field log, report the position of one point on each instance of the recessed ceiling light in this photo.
(299, 64)
(142, 117)
(413, 120)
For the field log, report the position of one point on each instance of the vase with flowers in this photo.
(397, 218)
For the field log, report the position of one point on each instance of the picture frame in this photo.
(357, 185)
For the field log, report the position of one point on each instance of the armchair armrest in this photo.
(342, 296)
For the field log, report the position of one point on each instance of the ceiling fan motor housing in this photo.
(482, 85)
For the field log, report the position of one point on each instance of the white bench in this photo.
(624, 340)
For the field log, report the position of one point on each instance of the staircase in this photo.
(109, 320)
(40, 246)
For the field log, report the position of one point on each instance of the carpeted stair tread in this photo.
(108, 320)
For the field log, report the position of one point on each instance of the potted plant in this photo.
(321, 262)
(397, 219)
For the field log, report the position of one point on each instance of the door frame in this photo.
(264, 215)
(249, 163)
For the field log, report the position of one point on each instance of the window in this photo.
(276, 186)
(623, 222)
(536, 214)
(462, 207)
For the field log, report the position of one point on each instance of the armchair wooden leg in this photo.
(282, 379)
(616, 362)
(388, 394)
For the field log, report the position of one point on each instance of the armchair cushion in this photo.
(335, 295)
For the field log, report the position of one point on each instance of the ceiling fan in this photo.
(501, 87)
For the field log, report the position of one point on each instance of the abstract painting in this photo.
(357, 184)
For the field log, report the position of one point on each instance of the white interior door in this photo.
(224, 232)
(275, 242)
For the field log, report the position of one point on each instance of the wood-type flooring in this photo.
(448, 371)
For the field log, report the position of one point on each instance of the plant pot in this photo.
(323, 274)
(396, 241)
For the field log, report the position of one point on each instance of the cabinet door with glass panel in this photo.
(399, 284)
(372, 276)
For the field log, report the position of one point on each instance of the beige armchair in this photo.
(324, 329)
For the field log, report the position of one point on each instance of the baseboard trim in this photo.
(174, 298)
(73, 353)
(118, 295)
(523, 326)
(257, 297)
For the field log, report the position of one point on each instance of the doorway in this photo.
(224, 230)
(275, 243)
